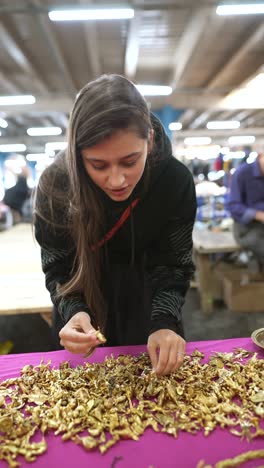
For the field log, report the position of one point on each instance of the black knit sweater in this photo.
(162, 242)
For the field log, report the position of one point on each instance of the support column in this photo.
(167, 115)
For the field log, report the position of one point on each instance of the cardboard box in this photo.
(243, 291)
(224, 269)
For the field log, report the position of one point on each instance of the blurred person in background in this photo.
(246, 205)
(11, 207)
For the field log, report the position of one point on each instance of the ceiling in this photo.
(182, 43)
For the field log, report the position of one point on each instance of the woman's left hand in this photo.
(166, 351)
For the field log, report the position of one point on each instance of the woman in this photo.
(114, 216)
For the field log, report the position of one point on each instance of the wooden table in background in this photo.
(206, 245)
(22, 282)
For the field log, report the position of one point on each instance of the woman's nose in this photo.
(116, 179)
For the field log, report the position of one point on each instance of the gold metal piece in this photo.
(236, 461)
(101, 338)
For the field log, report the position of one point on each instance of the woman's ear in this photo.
(150, 140)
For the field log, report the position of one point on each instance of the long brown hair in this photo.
(103, 107)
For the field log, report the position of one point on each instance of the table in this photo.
(152, 449)
(22, 282)
(205, 244)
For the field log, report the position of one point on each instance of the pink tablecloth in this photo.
(152, 449)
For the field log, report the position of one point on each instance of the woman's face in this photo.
(116, 164)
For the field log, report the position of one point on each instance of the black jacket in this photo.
(17, 195)
(147, 295)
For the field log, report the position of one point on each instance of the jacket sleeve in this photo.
(57, 259)
(238, 209)
(171, 267)
(170, 281)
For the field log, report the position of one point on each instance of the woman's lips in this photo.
(119, 191)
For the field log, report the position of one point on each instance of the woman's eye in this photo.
(98, 168)
(129, 163)
(104, 166)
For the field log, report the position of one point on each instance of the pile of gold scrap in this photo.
(121, 397)
(236, 461)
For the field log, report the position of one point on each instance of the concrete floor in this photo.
(220, 324)
(30, 333)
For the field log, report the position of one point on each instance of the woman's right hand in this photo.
(78, 335)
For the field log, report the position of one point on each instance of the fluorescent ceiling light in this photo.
(224, 150)
(37, 156)
(197, 141)
(234, 155)
(154, 90)
(223, 125)
(41, 165)
(247, 9)
(39, 131)
(16, 100)
(250, 160)
(55, 145)
(256, 83)
(175, 126)
(241, 140)
(3, 123)
(50, 152)
(15, 164)
(215, 175)
(210, 152)
(248, 97)
(12, 148)
(91, 14)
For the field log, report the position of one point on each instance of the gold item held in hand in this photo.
(101, 338)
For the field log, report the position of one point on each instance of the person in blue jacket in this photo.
(246, 205)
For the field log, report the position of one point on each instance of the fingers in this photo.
(78, 335)
(75, 348)
(79, 347)
(68, 333)
(180, 355)
(169, 362)
(153, 354)
(171, 352)
(163, 359)
(85, 323)
(83, 348)
(175, 361)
